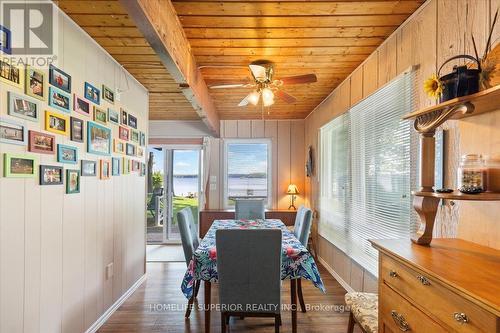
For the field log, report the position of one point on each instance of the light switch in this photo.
(109, 271)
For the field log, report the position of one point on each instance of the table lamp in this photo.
(293, 191)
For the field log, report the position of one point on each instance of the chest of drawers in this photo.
(450, 286)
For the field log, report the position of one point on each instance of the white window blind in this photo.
(366, 173)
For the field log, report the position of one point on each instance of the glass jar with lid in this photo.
(492, 167)
(471, 174)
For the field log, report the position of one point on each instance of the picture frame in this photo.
(98, 139)
(59, 100)
(36, 83)
(126, 166)
(41, 143)
(12, 74)
(5, 40)
(92, 93)
(143, 169)
(76, 129)
(123, 133)
(100, 115)
(143, 139)
(104, 169)
(130, 149)
(67, 154)
(123, 117)
(51, 175)
(59, 79)
(140, 152)
(113, 116)
(118, 146)
(19, 165)
(132, 121)
(88, 168)
(13, 132)
(23, 107)
(72, 181)
(135, 136)
(115, 166)
(108, 95)
(56, 122)
(81, 106)
(135, 165)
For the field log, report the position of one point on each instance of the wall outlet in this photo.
(109, 271)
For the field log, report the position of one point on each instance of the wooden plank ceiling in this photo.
(109, 24)
(327, 38)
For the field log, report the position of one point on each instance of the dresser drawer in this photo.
(398, 315)
(444, 305)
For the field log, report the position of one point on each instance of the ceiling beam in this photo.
(159, 23)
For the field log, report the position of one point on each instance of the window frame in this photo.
(227, 142)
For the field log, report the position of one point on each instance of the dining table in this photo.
(296, 263)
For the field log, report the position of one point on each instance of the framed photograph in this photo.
(59, 79)
(132, 121)
(11, 74)
(123, 133)
(67, 154)
(118, 146)
(108, 94)
(123, 117)
(113, 116)
(135, 136)
(81, 106)
(140, 152)
(42, 143)
(143, 139)
(5, 40)
(105, 169)
(98, 139)
(126, 166)
(13, 132)
(76, 129)
(143, 169)
(130, 149)
(115, 166)
(72, 181)
(23, 107)
(100, 115)
(19, 166)
(135, 165)
(51, 175)
(56, 123)
(88, 168)
(35, 83)
(60, 100)
(92, 93)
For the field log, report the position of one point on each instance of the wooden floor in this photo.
(162, 290)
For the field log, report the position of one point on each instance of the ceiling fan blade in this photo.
(285, 96)
(244, 102)
(259, 72)
(228, 86)
(300, 79)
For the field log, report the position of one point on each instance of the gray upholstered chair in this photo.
(190, 242)
(249, 269)
(249, 209)
(301, 230)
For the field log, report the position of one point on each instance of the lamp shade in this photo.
(292, 189)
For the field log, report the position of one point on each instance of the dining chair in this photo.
(301, 230)
(249, 209)
(190, 242)
(249, 270)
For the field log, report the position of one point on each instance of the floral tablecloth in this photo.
(296, 261)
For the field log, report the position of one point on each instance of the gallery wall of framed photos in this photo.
(69, 207)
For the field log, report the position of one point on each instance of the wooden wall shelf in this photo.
(460, 196)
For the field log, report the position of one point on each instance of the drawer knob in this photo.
(461, 317)
(423, 280)
(400, 321)
(393, 274)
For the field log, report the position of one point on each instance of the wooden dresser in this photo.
(450, 286)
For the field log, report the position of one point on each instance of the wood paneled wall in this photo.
(288, 156)
(437, 31)
(54, 247)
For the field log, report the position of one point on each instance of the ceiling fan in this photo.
(264, 85)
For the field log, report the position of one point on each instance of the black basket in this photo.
(462, 81)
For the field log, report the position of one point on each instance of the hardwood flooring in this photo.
(159, 305)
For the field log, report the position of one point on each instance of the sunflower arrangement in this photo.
(433, 86)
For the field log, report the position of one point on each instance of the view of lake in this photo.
(237, 186)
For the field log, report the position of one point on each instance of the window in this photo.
(247, 170)
(366, 173)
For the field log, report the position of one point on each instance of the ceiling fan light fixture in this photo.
(253, 98)
(267, 97)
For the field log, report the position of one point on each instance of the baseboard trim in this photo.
(105, 316)
(337, 277)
